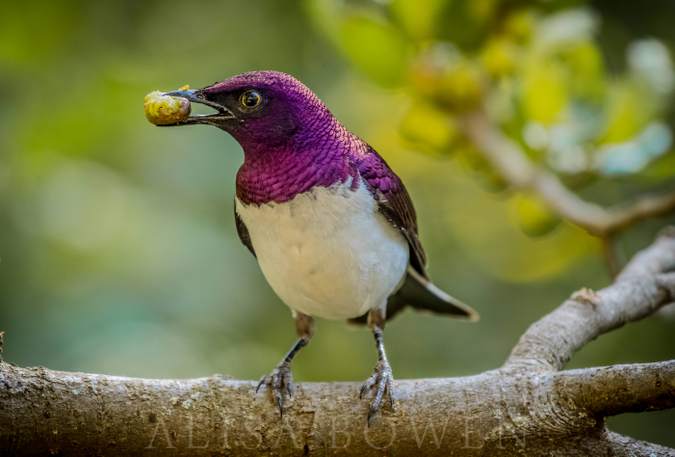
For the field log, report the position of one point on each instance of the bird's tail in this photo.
(421, 294)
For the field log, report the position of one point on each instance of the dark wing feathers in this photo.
(394, 203)
(242, 231)
(398, 210)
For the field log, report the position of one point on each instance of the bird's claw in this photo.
(280, 385)
(380, 383)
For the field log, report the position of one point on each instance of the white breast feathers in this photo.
(328, 252)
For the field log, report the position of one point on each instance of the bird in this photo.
(331, 225)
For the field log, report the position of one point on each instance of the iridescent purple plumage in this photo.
(299, 144)
(310, 148)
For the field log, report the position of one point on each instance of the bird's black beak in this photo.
(197, 96)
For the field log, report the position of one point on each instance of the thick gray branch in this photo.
(516, 169)
(515, 410)
(638, 291)
(624, 446)
(618, 389)
(495, 413)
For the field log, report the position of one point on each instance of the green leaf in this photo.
(375, 47)
(628, 112)
(532, 215)
(418, 18)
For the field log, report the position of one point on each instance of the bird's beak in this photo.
(198, 96)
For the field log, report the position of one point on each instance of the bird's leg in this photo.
(380, 383)
(280, 381)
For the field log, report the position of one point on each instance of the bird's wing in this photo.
(242, 231)
(394, 203)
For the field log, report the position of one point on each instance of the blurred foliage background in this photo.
(118, 249)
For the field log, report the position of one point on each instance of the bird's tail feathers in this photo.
(421, 294)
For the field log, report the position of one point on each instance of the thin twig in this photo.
(611, 257)
(513, 165)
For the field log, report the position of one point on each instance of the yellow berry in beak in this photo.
(163, 109)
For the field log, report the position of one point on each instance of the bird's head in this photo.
(260, 109)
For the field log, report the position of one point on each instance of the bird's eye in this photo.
(250, 99)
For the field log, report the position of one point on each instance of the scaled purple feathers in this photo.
(298, 144)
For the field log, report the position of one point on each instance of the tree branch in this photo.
(514, 166)
(639, 290)
(495, 413)
(618, 389)
(511, 411)
(623, 446)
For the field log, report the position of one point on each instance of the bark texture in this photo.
(526, 407)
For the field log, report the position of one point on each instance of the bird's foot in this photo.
(280, 385)
(380, 385)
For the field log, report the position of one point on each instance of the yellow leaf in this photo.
(461, 85)
(532, 215)
(499, 56)
(427, 125)
(545, 94)
(586, 69)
